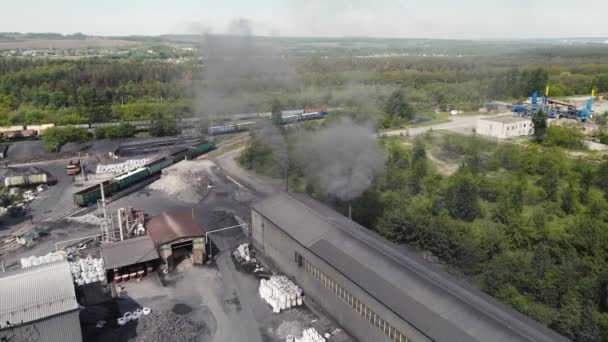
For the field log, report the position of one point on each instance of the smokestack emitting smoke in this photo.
(344, 157)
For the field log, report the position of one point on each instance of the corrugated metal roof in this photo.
(33, 293)
(128, 252)
(174, 225)
(440, 306)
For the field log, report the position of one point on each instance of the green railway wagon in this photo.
(198, 150)
(91, 194)
(180, 155)
(132, 177)
(160, 164)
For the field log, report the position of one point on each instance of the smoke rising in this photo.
(271, 136)
(239, 71)
(344, 157)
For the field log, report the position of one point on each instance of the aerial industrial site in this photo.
(245, 179)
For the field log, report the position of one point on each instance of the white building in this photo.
(505, 127)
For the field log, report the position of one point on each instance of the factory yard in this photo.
(214, 302)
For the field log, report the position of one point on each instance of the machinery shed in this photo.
(177, 236)
(122, 259)
(38, 303)
(374, 289)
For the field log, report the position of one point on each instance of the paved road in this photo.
(262, 184)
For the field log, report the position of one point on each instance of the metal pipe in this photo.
(120, 211)
(77, 239)
(219, 230)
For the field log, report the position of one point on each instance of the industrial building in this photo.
(38, 303)
(177, 236)
(131, 258)
(505, 127)
(374, 289)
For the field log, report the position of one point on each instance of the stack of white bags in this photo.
(280, 292)
(88, 270)
(127, 166)
(45, 259)
(310, 335)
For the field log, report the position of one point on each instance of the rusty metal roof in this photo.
(128, 252)
(37, 292)
(174, 225)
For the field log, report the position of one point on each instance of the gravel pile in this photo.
(167, 327)
(183, 182)
(75, 147)
(293, 328)
(20, 171)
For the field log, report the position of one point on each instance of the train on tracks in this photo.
(91, 194)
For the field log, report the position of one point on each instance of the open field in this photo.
(63, 43)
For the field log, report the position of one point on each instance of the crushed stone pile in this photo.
(20, 171)
(167, 327)
(184, 181)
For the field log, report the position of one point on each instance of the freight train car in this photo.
(235, 128)
(91, 194)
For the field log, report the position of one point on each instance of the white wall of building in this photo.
(504, 129)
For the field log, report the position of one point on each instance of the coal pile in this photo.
(168, 326)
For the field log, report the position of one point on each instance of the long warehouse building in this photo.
(375, 290)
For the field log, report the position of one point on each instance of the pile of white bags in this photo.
(310, 335)
(280, 292)
(45, 259)
(242, 253)
(88, 270)
(127, 166)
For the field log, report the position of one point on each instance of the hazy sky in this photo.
(382, 18)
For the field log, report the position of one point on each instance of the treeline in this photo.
(91, 90)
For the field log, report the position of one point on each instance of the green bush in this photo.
(124, 130)
(564, 137)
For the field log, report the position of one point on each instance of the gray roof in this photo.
(34, 293)
(438, 305)
(506, 119)
(128, 252)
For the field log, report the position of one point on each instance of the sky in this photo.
(463, 19)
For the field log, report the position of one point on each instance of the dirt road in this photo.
(458, 124)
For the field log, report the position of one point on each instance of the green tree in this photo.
(539, 122)
(276, 109)
(569, 317)
(55, 137)
(419, 167)
(568, 200)
(589, 330)
(462, 198)
(396, 106)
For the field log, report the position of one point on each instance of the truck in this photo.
(73, 169)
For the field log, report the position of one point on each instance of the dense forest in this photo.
(62, 91)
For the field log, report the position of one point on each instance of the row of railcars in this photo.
(91, 194)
